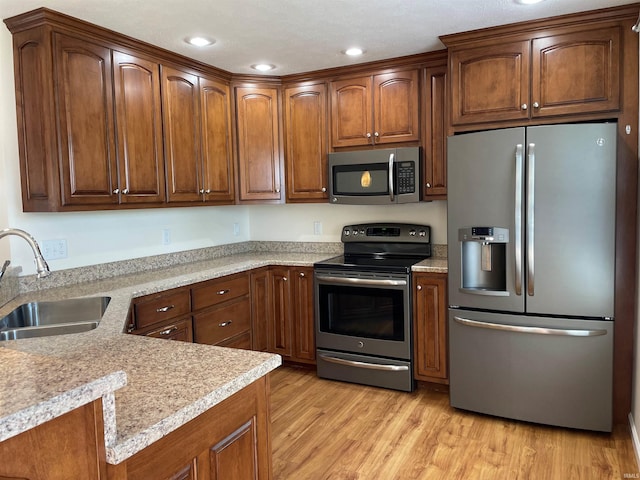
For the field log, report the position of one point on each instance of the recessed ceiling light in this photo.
(353, 51)
(263, 67)
(528, 2)
(199, 41)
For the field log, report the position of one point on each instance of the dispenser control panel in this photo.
(484, 234)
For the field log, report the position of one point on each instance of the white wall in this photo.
(99, 237)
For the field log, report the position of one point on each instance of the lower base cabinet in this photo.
(69, 446)
(430, 327)
(231, 441)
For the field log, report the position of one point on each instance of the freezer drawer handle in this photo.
(370, 366)
(536, 330)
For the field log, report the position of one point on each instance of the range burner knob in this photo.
(423, 233)
(347, 232)
(412, 233)
(355, 232)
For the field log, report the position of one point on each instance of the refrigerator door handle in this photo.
(531, 181)
(536, 330)
(391, 193)
(518, 219)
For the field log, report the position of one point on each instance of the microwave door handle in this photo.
(391, 193)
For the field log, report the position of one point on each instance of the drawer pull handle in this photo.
(225, 324)
(223, 292)
(165, 309)
(172, 328)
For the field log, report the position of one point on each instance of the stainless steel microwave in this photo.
(375, 177)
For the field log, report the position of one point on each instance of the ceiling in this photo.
(300, 35)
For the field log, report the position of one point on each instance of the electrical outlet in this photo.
(54, 249)
(166, 236)
(317, 228)
(236, 229)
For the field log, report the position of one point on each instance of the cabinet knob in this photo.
(207, 191)
(376, 134)
(419, 287)
(536, 105)
(302, 274)
(323, 189)
(428, 185)
(201, 191)
(368, 135)
(284, 279)
(125, 191)
(116, 191)
(277, 190)
(524, 106)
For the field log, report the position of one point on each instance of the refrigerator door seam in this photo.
(524, 329)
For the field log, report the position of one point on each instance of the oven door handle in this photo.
(369, 366)
(362, 281)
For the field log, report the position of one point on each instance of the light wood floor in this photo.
(332, 430)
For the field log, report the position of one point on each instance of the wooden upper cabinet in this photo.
(435, 133)
(565, 72)
(490, 83)
(138, 129)
(84, 101)
(259, 157)
(305, 132)
(576, 73)
(197, 122)
(217, 154)
(375, 109)
(181, 120)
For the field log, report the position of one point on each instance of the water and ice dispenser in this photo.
(483, 260)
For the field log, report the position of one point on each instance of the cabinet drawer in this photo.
(218, 324)
(213, 292)
(179, 329)
(242, 341)
(160, 307)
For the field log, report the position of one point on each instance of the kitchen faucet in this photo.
(42, 268)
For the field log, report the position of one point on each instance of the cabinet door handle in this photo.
(428, 185)
(524, 106)
(125, 191)
(201, 191)
(419, 287)
(302, 274)
(536, 105)
(116, 191)
(207, 191)
(277, 190)
(223, 292)
(323, 189)
(225, 324)
(165, 309)
(284, 279)
(376, 134)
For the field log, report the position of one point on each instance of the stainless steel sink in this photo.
(42, 319)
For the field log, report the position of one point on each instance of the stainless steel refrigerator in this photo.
(531, 246)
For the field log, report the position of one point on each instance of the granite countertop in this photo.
(149, 386)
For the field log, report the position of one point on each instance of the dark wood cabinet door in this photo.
(351, 115)
(84, 98)
(279, 332)
(576, 73)
(435, 133)
(235, 456)
(138, 129)
(259, 159)
(396, 107)
(260, 309)
(490, 84)
(181, 120)
(305, 131)
(430, 327)
(303, 315)
(217, 154)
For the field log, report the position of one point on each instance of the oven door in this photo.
(364, 313)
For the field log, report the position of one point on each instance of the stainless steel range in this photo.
(363, 305)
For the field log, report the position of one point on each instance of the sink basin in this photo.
(42, 319)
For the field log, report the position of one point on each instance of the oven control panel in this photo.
(386, 232)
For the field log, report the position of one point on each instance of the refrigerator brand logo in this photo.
(365, 179)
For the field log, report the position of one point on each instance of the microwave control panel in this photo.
(406, 177)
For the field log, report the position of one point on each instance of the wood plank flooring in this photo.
(333, 430)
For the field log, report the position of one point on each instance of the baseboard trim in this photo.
(635, 439)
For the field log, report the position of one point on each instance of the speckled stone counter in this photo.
(149, 386)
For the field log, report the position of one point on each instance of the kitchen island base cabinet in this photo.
(231, 441)
(68, 447)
